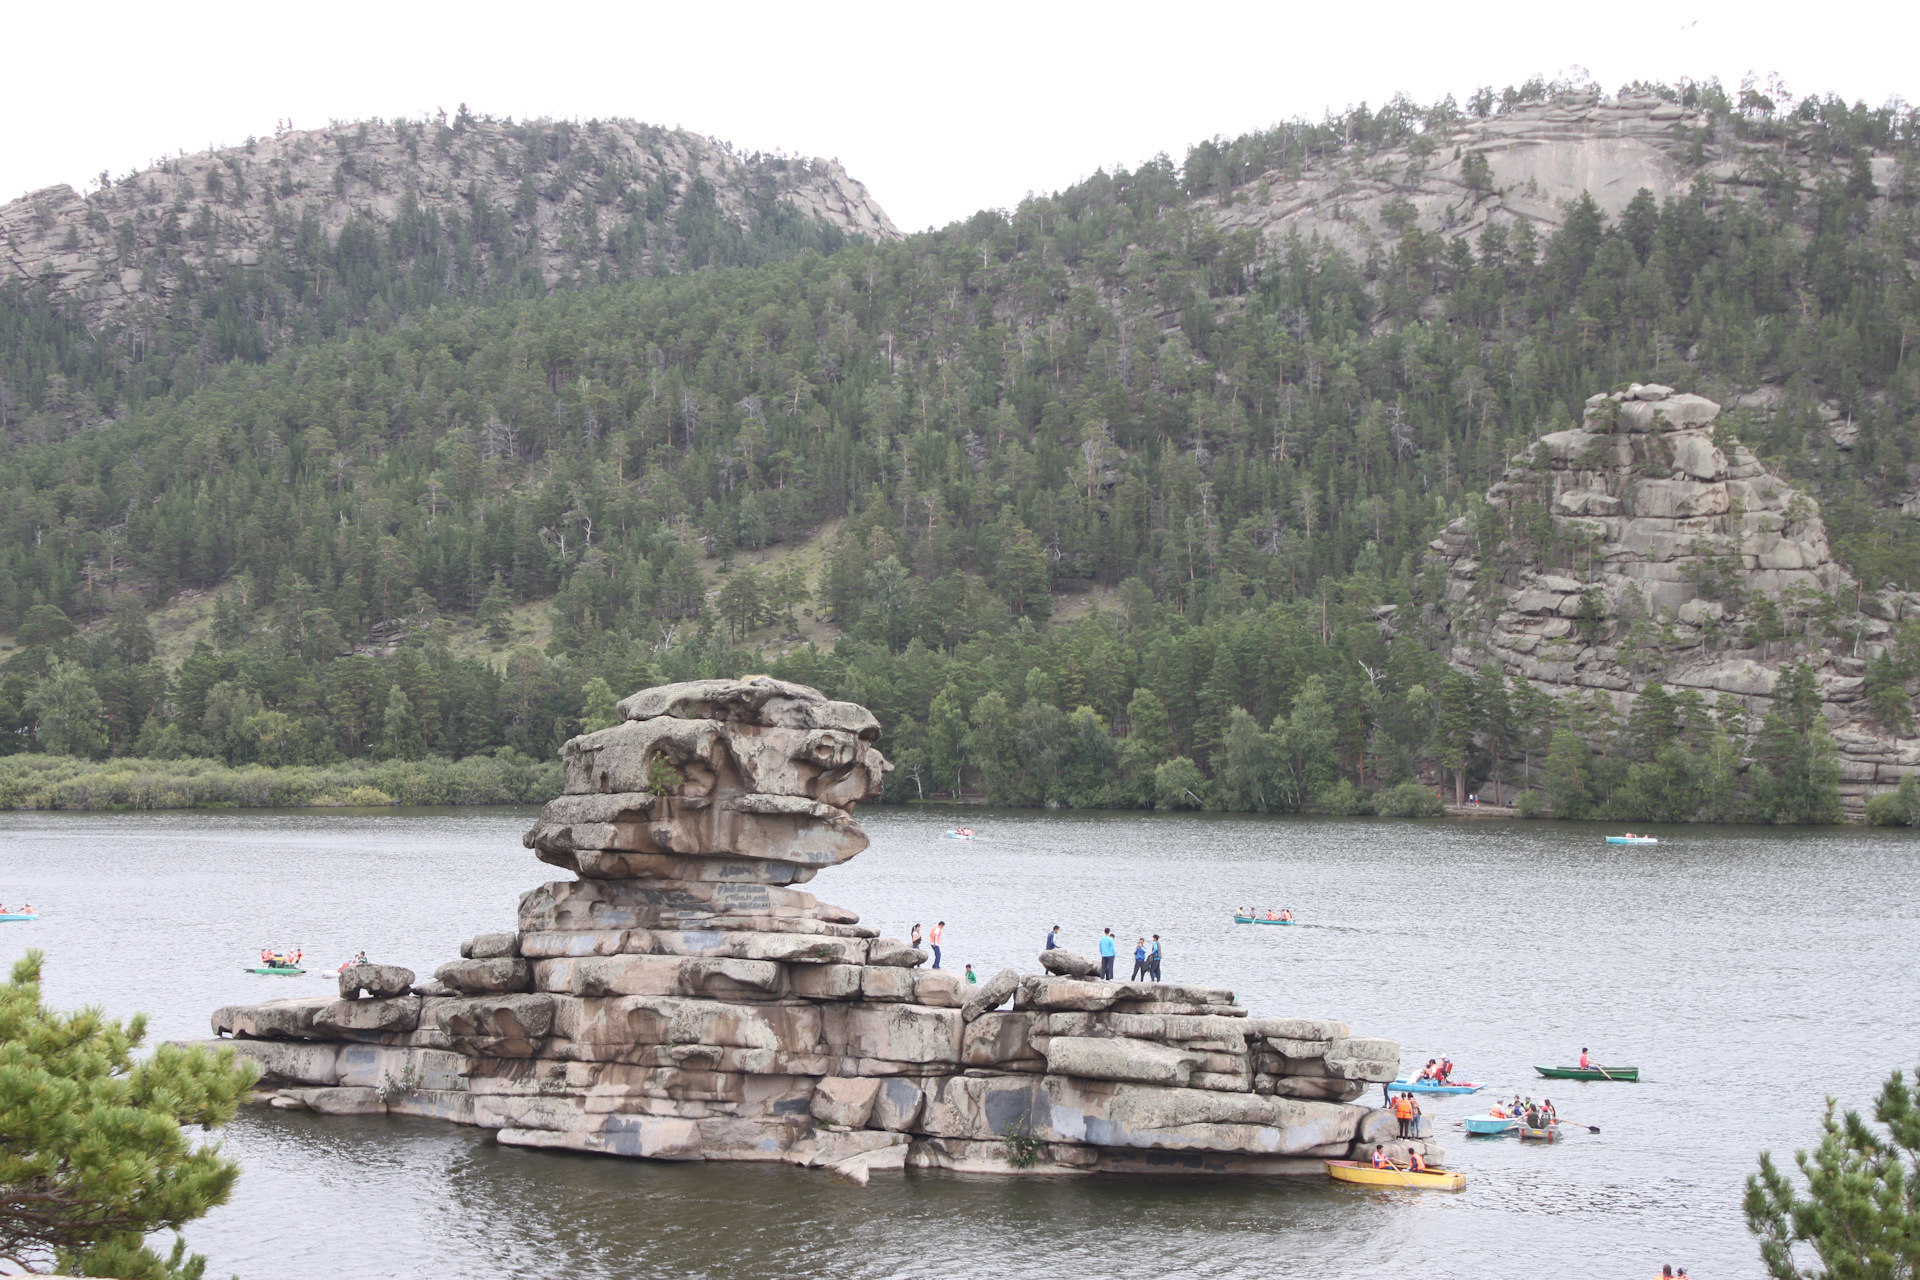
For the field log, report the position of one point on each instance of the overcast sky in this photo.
(941, 109)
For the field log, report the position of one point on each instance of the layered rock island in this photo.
(682, 998)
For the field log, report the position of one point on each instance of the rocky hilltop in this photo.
(1536, 156)
(1683, 561)
(681, 999)
(569, 197)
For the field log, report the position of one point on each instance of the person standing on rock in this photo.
(1139, 960)
(933, 940)
(914, 938)
(1153, 959)
(1053, 939)
(1106, 954)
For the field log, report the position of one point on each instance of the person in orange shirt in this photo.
(1417, 1161)
(933, 940)
(1403, 1112)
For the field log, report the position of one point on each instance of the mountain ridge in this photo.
(581, 202)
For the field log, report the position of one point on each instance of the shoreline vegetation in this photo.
(37, 782)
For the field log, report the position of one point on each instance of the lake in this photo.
(1748, 971)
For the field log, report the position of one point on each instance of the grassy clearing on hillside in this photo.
(63, 782)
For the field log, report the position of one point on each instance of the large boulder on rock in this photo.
(1068, 964)
(993, 993)
(844, 1102)
(381, 981)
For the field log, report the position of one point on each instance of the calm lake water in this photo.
(1749, 972)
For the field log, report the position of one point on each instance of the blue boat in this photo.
(19, 915)
(1428, 1086)
(1258, 920)
(1632, 840)
(1489, 1126)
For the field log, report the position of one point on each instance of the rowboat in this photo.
(1431, 1179)
(1428, 1086)
(1548, 1134)
(278, 970)
(1629, 1074)
(956, 835)
(20, 915)
(1488, 1125)
(1258, 920)
(1632, 840)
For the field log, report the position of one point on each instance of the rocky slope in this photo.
(1537, 155)
(563, 191)
(682, 999)
(1679, 549)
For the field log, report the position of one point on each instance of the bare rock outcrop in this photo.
(1682, 560)
(683, 1000)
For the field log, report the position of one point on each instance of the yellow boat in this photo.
(1430, 1179)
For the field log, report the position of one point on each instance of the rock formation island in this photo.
(683, 998)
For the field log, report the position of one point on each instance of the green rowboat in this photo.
(1630, 1074)
(279, 971)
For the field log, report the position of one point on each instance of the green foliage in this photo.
(1410, 800)
(67, 712)
(94, 1156)
(1797, 765)
(62, 782)
(599, 708)
(1859, 1214)
(1179, 784)
(1897, 808)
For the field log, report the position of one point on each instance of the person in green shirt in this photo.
(970, 978)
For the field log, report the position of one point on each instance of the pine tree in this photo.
(400, 737)
(1566, 780)
(1496, 718)
(1454, 732)
(598, 710)
(94, 1157)
(495, 614)
(1860, 1212)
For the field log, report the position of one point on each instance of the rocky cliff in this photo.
(1639, 547)
(567, 196)
(681, 999)
(1536, 155)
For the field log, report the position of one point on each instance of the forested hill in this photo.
(1243, 444)
(140, 286)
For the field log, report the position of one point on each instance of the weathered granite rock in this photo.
(1676, 554)
(381, 981)
(993, 993)
(684, 1000)
(1068, 964)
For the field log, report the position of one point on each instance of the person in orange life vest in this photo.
(1403, 1112)
(1417, 1161)
(1379, 1157)
(933, 940)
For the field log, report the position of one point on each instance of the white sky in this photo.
(941, 109)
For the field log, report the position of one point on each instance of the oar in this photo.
(1590, 1128)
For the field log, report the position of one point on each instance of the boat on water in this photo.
(1632, 840)
(958, 833)
(1488, 1126)
(1549, 1134)
(1239, 919)
(19, 915)
(278, 970)
(1430, 1179)
(1428, 1086)
(1629, 1074)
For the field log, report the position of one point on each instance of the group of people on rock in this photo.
(1147, 954)
(934, 937)
(1406, 1109)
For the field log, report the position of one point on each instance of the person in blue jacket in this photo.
(1106, 954)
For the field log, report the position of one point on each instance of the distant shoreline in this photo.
(37, 783)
